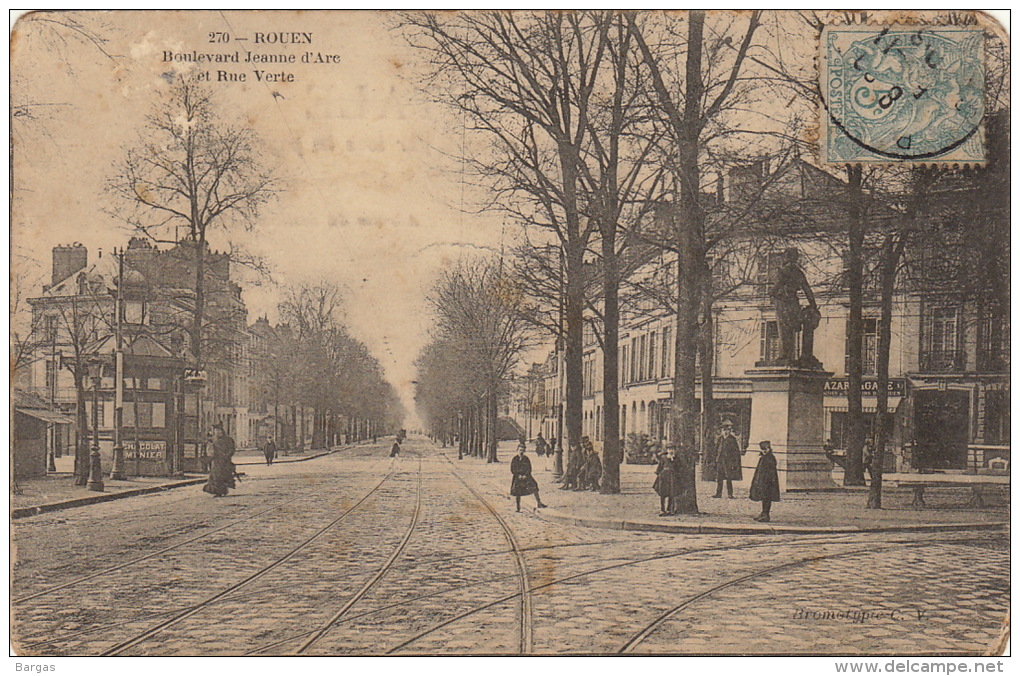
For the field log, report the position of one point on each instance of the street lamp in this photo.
(95, 480)
(117, 470)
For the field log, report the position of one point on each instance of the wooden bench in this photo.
(919, 482)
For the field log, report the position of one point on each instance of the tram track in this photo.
(184, 614)
(383, 570)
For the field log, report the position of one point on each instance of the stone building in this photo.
(167, 407)
(949, 365)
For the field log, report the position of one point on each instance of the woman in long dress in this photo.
(221, 474)
(523, 483)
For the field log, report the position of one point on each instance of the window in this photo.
(633, 360)
(623, 364)
(134, 312)
(993, 341)
(869, 347)
(768, 263)
(997, 418)
(50, 329)
(667, 350)
(652, 372)
(769, 341)
(940, 347)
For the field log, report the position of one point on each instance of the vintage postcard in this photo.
(588, 332)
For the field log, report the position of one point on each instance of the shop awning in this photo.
(45, 416)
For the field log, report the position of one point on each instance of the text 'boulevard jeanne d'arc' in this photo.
(244, 56)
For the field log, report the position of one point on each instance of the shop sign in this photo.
(838, 387)
(148, 450)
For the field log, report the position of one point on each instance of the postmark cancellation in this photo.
(894, 94)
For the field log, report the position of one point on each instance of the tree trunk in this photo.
(690, 263)
(611, 452)
(706, 349)
(890, 261)
(574, 354)
(854, 475)
(491, 414)
(81, 449)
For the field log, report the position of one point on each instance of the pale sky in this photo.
(372, 198)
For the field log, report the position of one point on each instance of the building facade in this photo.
(949, 366)
(168, 408)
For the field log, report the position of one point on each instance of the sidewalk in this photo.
(829, 511)
(57, 491)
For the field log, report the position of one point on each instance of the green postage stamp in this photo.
(902, 94)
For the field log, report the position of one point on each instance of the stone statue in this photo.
(787, 283)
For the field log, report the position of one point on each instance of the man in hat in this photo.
(765, 483)
(727, 460)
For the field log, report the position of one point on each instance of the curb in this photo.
(23, 512)
(284, 462)
(710, 528)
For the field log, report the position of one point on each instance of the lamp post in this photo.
(117, 470)
(95, 480)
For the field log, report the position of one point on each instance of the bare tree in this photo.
(192, 170)
(478, 310)
(688, 105)
(527, 83)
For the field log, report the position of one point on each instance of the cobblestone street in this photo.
(357, 553)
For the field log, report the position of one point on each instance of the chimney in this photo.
(68, 260)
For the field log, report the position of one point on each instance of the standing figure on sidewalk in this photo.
(575, 457)
(591, 477)
(269, 450)
(523, 483)
(221, 473)
(666, 481)
(765, 484)
(727, 460)
(540, 446)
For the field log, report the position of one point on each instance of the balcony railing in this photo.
(943, 361)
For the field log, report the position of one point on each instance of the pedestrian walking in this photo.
(666, 481)
(269, 450)
(727, 460)
(395, 449)
(222, 471)
(765, 483)
(523, 483)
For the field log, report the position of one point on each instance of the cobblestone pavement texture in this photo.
(272, 569)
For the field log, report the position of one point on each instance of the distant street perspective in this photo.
(360, 553)
(488, 332)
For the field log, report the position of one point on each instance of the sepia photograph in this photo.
(510, 333)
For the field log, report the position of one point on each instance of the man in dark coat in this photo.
(727, 460)
(221, 473)
(523, 483)
(269, 450)
(765, 483)
(395, 449)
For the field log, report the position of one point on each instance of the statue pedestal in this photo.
(786, 409)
